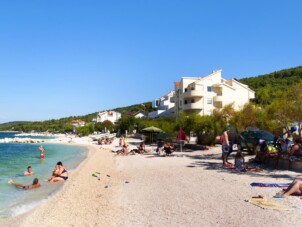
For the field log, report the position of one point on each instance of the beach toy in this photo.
(94, 175)
(99, 178)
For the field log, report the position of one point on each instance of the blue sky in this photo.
(65, 58)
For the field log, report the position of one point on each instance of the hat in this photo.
(293, 128)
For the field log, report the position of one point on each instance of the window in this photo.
(192, 88)
(186, 89)
(209, 101)
(180, 102)
(209, 88)
(192, 101)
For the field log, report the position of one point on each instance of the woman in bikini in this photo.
(59, 173)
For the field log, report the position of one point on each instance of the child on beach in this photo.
(240, 162)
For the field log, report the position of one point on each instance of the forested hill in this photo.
(274, 82)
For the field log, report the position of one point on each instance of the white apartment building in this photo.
(78, 123)
(108, 116)
(164, 106)
(202, 95)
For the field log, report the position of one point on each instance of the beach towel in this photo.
(276, 185)
(266, 204)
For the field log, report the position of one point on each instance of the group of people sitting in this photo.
(164, 148)
(281, 149)
(59, 174)
(105, 141)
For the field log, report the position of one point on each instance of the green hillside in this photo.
(64, 124)
(269, 85)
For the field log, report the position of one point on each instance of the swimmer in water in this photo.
(35, 184)
(28, 172)
(42, 151)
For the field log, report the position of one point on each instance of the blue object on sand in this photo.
(277, 185)
(279, 196)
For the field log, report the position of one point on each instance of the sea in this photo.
(14, 160)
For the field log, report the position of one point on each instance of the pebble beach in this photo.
(186, 189)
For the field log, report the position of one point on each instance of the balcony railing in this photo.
(192, 93)
(193, 106)
(217, 99)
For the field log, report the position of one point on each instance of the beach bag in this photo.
(272, 151)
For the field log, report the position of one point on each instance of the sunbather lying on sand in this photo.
(295, 187)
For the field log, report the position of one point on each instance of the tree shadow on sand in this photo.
(213, 162)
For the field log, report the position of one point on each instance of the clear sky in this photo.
(65, 58)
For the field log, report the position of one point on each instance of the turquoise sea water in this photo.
(14, 159)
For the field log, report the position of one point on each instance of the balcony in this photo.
(193, 106)
(192, 93)
(172, 99)
(217, 98)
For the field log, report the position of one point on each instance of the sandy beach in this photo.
(187, 189)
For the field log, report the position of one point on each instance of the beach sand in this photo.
(187, 189)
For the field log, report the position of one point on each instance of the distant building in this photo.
(108, 116)
(140, 114)
(201, 95)
(78, 123)
(164, 106)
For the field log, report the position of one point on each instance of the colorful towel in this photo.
(277, 185)
(266, 204)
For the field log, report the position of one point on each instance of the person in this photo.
(168, 149)
(294, 187)
(240, 162)
(159, 148)
(59, 173)
(28, 171)
(35, 184)
(42, 151)
(227, 147)
(141, 148)
(296, 148)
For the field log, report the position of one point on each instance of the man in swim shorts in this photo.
(35, 184)
(28, 171)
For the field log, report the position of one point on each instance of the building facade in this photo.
(201, 95)
(78, 123)
(108, 116)
(164, 106)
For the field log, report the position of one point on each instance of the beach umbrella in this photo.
(164, 136)
(181, 135)
(152, 130)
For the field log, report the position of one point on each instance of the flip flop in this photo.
(279, 196)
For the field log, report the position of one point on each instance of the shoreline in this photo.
(79, 182)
